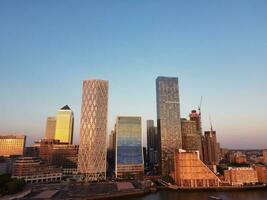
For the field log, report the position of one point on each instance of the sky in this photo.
(217, 48)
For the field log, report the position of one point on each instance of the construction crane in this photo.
(211, 128)
(200, 104)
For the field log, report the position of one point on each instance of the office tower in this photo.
(210, 146)
(12, 145)
(129, 152)
(111, 154)
(64, 125)
(191, 172)
(93, 132)
(152, 145)
(169, 124)
(50, 128)
(111, 140)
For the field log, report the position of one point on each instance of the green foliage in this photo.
(9, 185)
(168, 179)
(239, 165)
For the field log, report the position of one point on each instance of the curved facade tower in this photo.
(93, 130)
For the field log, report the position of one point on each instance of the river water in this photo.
(234, 195)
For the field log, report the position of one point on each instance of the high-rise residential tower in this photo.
(93, 131)
(169, 123)
(64, 125)
(50, 128)
(129, 152)
(191, 137)
(210, 146)
(196, 117)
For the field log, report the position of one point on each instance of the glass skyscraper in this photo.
(93, 131)
(64, 125)
(169, 122)
(152, 145)
(129, 153)
(50, 128)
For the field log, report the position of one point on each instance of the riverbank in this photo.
(218, 189)
(104, 190)
(119, 195)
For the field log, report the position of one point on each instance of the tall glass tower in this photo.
(93, 131)
(64, 125)
(129, 153)
(169, 122)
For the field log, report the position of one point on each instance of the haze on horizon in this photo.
(218, 49)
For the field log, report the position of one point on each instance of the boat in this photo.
(215, 198)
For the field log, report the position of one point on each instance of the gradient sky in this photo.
(217, 48)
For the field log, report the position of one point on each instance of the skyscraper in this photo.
(93, 131)
(129, 151)
(64, 125)
(169, 123)
(191, 137)
(50, 128)
(196, 117)
(210, 146)
(152, 144)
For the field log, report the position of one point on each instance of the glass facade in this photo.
(50, 128)
(169, 123)
(129, 154)
(64, 125)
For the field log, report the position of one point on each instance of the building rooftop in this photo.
(66, 107)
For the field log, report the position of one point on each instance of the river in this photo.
(234, 195)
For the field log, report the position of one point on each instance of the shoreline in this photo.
(217, 189)
(140, 193)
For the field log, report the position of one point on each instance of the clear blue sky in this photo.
(217, 48)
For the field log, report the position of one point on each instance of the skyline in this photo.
(44, 59)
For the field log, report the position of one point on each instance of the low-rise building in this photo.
(12, 145)
(240, 176)
(33, 170)
(62, 155)
(238, 157)
(262, 173)
(3, 166)
(264, 154)
(191, 172)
